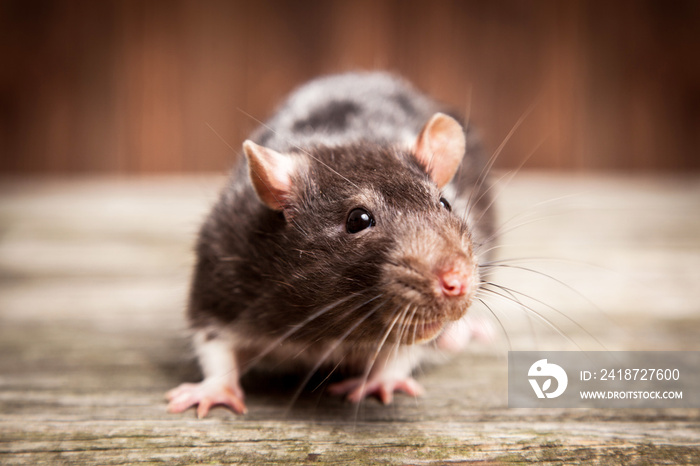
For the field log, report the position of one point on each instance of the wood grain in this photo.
(93, 280)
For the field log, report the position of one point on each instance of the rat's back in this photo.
(347, 109)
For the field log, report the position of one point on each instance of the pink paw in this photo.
(205, 394)
(357, 388)
(458, 334)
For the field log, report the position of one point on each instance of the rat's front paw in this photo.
(356, 389)
(458, 334)
(205, 394)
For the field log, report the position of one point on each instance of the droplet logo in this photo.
(542, 369)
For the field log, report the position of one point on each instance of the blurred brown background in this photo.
(144, 86)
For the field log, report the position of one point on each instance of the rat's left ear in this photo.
(271, 174)
(440, 148)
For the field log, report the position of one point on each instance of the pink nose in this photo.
(454, 282)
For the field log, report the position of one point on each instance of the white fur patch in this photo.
(216, 356)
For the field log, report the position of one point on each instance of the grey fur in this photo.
(384, 110)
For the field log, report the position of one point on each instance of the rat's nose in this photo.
(454, 282)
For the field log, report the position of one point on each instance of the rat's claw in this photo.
(356, 389)
(205, 394)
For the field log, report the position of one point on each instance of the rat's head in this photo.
(369, 238)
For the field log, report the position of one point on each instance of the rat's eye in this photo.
(358, 220)
(444, 204)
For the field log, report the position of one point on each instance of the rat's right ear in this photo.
(271, 174)
(440, 148)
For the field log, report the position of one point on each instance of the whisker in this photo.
(330, 373)
(467, 122)
(373, 359)
(537, 272)
(489, 164)
(468, 206)
(530, 310)
(548, 259)
(415, 327)
(512, 174)
(524, 214)
(328, 352)
(579, 326)
(222, 138)
(405, 323)
(525, 309)
(503, 328)
(502, 230)
(321, 334)
(310, 318)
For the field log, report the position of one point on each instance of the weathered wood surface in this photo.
(93, 279)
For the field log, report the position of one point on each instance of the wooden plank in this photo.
(93, 280)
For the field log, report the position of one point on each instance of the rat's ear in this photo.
(440, 148)
(270, 172)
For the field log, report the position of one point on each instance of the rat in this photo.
(346, 239)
